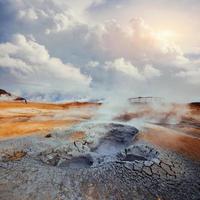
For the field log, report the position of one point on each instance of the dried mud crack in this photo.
(109, 163)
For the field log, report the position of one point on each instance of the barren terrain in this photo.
(68, 151)
(18, 119)
(175, 127)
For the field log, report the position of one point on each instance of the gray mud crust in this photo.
(110, 164)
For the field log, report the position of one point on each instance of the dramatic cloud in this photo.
(39, 37)
(127, 68)
(28, 63)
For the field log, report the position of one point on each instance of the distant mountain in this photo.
(6, 96)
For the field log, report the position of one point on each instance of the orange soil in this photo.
(9, 130)
(49, 106)
(182, 137)
(173, 140)
(40, 118)
(190, 131)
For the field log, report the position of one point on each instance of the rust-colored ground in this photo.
(19, 119)
(176, 129)
(171, 126)
(172, 140)
(48, 106)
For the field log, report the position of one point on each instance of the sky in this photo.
(70, 49)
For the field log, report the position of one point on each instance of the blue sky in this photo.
(95, 48)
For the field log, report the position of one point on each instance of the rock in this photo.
(6, 96)
(3, 92)
(48, 136)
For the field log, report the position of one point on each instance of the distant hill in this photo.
(6, 96)
(3, 92)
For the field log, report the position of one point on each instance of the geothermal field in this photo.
(99, 99)
(145, 150)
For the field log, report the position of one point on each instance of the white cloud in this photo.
(111, 53)
(150, 72)
(124, 67)
(71, 37)
(47, 16)
(28, 14)
(28, 63)
(61, 21)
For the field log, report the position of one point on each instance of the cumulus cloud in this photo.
(150, 72)
(47, 16)
(116, 56)
(72, 37)
(110, 40)
(28, 63)
(122, 66)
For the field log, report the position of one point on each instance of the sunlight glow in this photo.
(166, 35)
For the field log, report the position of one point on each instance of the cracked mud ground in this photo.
(106, 162)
